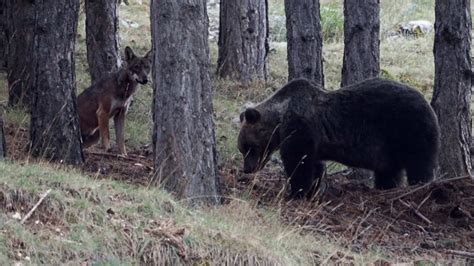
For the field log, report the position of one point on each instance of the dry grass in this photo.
(88, 220)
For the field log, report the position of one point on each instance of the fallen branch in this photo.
(460, 253)
(436, 182)
(418, 213)
(132, 158)
(34, 207)
(424, 200)
(129, 156)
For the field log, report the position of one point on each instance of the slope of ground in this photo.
(86, 220)
(347, 222)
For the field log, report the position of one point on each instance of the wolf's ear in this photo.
(129, 55)
(149, 56)
(251, 115)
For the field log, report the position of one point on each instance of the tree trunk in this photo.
(102, 38)
(452, 86)
(243, 40)
(20, 25)
(361, 48)
(54, 127)
(3, 37)
(3, 146)
(183, 136)
(361, 41)
(304, 40)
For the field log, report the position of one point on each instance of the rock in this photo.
(127, 23)
(414, 28)
(422, 25)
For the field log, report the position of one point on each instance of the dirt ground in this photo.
(432, 221)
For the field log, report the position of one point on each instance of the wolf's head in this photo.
(138, 67)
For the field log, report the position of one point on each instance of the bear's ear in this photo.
(251, 115)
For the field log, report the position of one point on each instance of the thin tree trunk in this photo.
(102, 38)
(304, 40)
(452, 86)
(3, 36)
(3, 146)
(54, 127)
(361, 48)
(361, 41)
(183, 135)
(20, 25)
(243, 40)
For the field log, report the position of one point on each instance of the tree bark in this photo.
(54, 127)
(3, 37)
(243, 40)
(102, 38)
(3, 146)
(20, 24)
(361, 41)
(452, 86)
(183, 134)
(304, 40)
(361, 48)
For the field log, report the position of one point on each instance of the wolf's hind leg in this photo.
(91, 139)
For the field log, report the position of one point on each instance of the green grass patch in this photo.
(101, 221)
(332, 21)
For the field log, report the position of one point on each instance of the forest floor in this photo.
(422, 224)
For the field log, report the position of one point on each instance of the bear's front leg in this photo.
(298, 154)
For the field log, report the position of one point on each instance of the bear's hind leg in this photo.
(418, 172)
(387, 178)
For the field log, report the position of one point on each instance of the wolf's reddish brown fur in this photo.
(111, 97)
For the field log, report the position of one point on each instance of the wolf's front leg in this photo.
(119, 122)
(103, 118)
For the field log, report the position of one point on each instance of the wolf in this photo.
(111, 97)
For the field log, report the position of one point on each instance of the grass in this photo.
(106, 222)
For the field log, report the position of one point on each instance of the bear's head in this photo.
(258, 139)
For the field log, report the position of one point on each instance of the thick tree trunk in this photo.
(452, 86)
(3, 146)
(20, 25)
(3, 37)
(361, 41)
(243, 40)
(102, 38)
(304, 39)
(183, 136)
(54, 127)
(361, 48)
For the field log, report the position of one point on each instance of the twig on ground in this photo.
(418, 213)
(136, 158)
(424, 200)
(34, 207)
(460, 253)
(436, 182)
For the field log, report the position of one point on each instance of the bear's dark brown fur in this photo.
(377, 124)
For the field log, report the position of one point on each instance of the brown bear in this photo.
(377, 124)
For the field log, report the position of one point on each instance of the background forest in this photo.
(108, 212)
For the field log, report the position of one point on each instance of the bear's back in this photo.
(379, 115)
